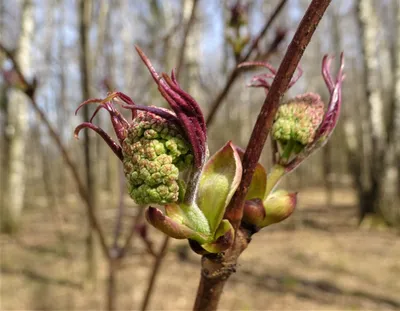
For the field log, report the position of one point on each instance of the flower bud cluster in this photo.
(154, 153)
(299, 119)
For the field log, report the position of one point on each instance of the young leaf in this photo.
(190, 216)
(167, 225)
(259, 181)
(218, 183)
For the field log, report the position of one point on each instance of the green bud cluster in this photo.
(154, 154)
(298, 119)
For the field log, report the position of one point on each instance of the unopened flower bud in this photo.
(298, 119)
(154, 153)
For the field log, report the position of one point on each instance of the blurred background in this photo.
(65, 211)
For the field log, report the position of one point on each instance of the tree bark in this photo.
(84, 14)
(16, 129)
(380, 197)
(369, 32)
(389, 194)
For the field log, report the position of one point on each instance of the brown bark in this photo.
(215, 271)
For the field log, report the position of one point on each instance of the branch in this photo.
(30, 91)
(217, 269)
(154, 273)
(134, 225)
(235, 72)
(29, 87)
(120, 213)
(266, 116)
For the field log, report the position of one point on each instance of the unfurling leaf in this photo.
(218, 182)
(258, 183)
(167, 225)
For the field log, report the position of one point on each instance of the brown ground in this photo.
(317, 260)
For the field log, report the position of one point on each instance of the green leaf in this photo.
(223, 238)
(259, 181)
(191, 216)
(218, 182)
(174, 226)
(167, 225)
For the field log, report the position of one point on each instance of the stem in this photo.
(135, 223)
(115, 253)
(219, 269)
(211, 290)
(287, 151)
(215, 271)
(120, 210)
(156, 269)
(111, 284)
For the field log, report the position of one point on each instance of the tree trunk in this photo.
(389, 194)
(369, 197)
(85, 14)
(16, 128)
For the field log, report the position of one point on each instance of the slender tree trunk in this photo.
(85, 13)
(381, 199)
(16, 128)
(389, 195)
(3, 143)
(369, 25)
(369, 31)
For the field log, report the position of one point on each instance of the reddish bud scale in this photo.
(186, 109)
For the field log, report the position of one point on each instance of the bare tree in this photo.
(378, 191)
(16, 128)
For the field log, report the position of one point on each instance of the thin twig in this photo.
(120, 211)
(17, 68)
(264, 30)
(132, 231)
(29, 91)
(115, 257)
(235, 72)
(111, 288)
(154, 273)
(264, 121)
